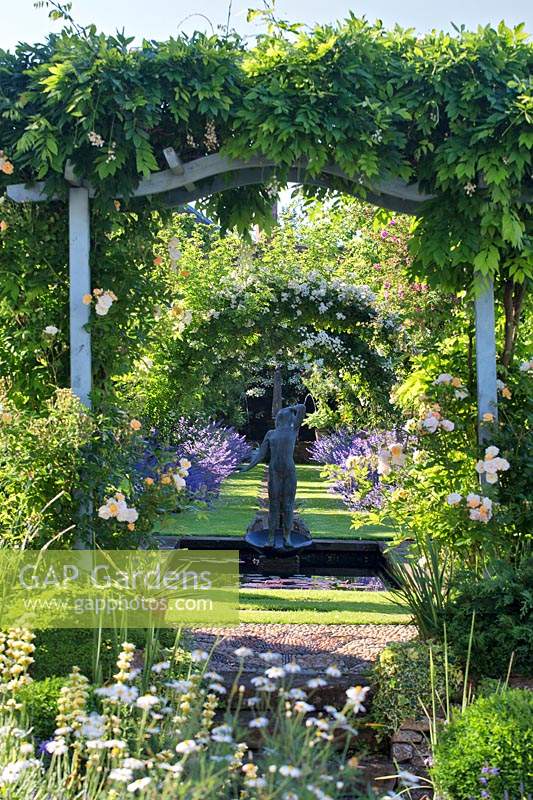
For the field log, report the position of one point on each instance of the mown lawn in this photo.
(324, 607)
(230, 515)
(327, 518)
(325, 513)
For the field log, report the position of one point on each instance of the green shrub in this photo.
(58, 650)
(40, 703)
(40, 459)
(488, 748)
(403, 675)
(503, 606)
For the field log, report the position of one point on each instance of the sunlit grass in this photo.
(324, 607)
(324, 512)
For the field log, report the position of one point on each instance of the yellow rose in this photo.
(149, 481)
(488, 417)
(87, 299)
(456, 382)
(135, 425)
(166, 479)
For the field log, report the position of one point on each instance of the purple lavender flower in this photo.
(335, 448)
(213, 450)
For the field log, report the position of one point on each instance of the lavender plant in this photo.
(346, 456)
(212, 451)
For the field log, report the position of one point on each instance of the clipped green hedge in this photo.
(488, 748)
(40, 703)
(403, 676)
(58, 650)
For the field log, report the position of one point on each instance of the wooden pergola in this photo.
(183, 183)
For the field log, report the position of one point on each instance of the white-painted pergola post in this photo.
(487, 390)
(80, 284)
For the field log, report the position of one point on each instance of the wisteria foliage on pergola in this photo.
(437, 127)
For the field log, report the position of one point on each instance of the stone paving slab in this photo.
(353, 648)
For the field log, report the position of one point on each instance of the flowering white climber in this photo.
(492, 464)
(454, 499)
(397, 454)
(384, 467)
(51, 330)
(430, 423)
(179, 482)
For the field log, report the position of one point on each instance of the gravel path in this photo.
(352, 648)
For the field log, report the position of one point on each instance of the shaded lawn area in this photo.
(230, 515)
(324, 607)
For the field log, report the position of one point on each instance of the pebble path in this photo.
(353, 648)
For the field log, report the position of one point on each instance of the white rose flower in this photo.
(501, 464)
(430, 423)
(101, 309)
(179, 482)
(454, 499)
(447, 425)
(51, 330)
(132, 515)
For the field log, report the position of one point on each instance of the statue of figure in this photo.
(277, 450)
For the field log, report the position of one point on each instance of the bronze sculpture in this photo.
(277, 449)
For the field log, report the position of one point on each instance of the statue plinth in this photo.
(257, 536)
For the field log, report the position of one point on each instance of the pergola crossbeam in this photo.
(187, 175)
